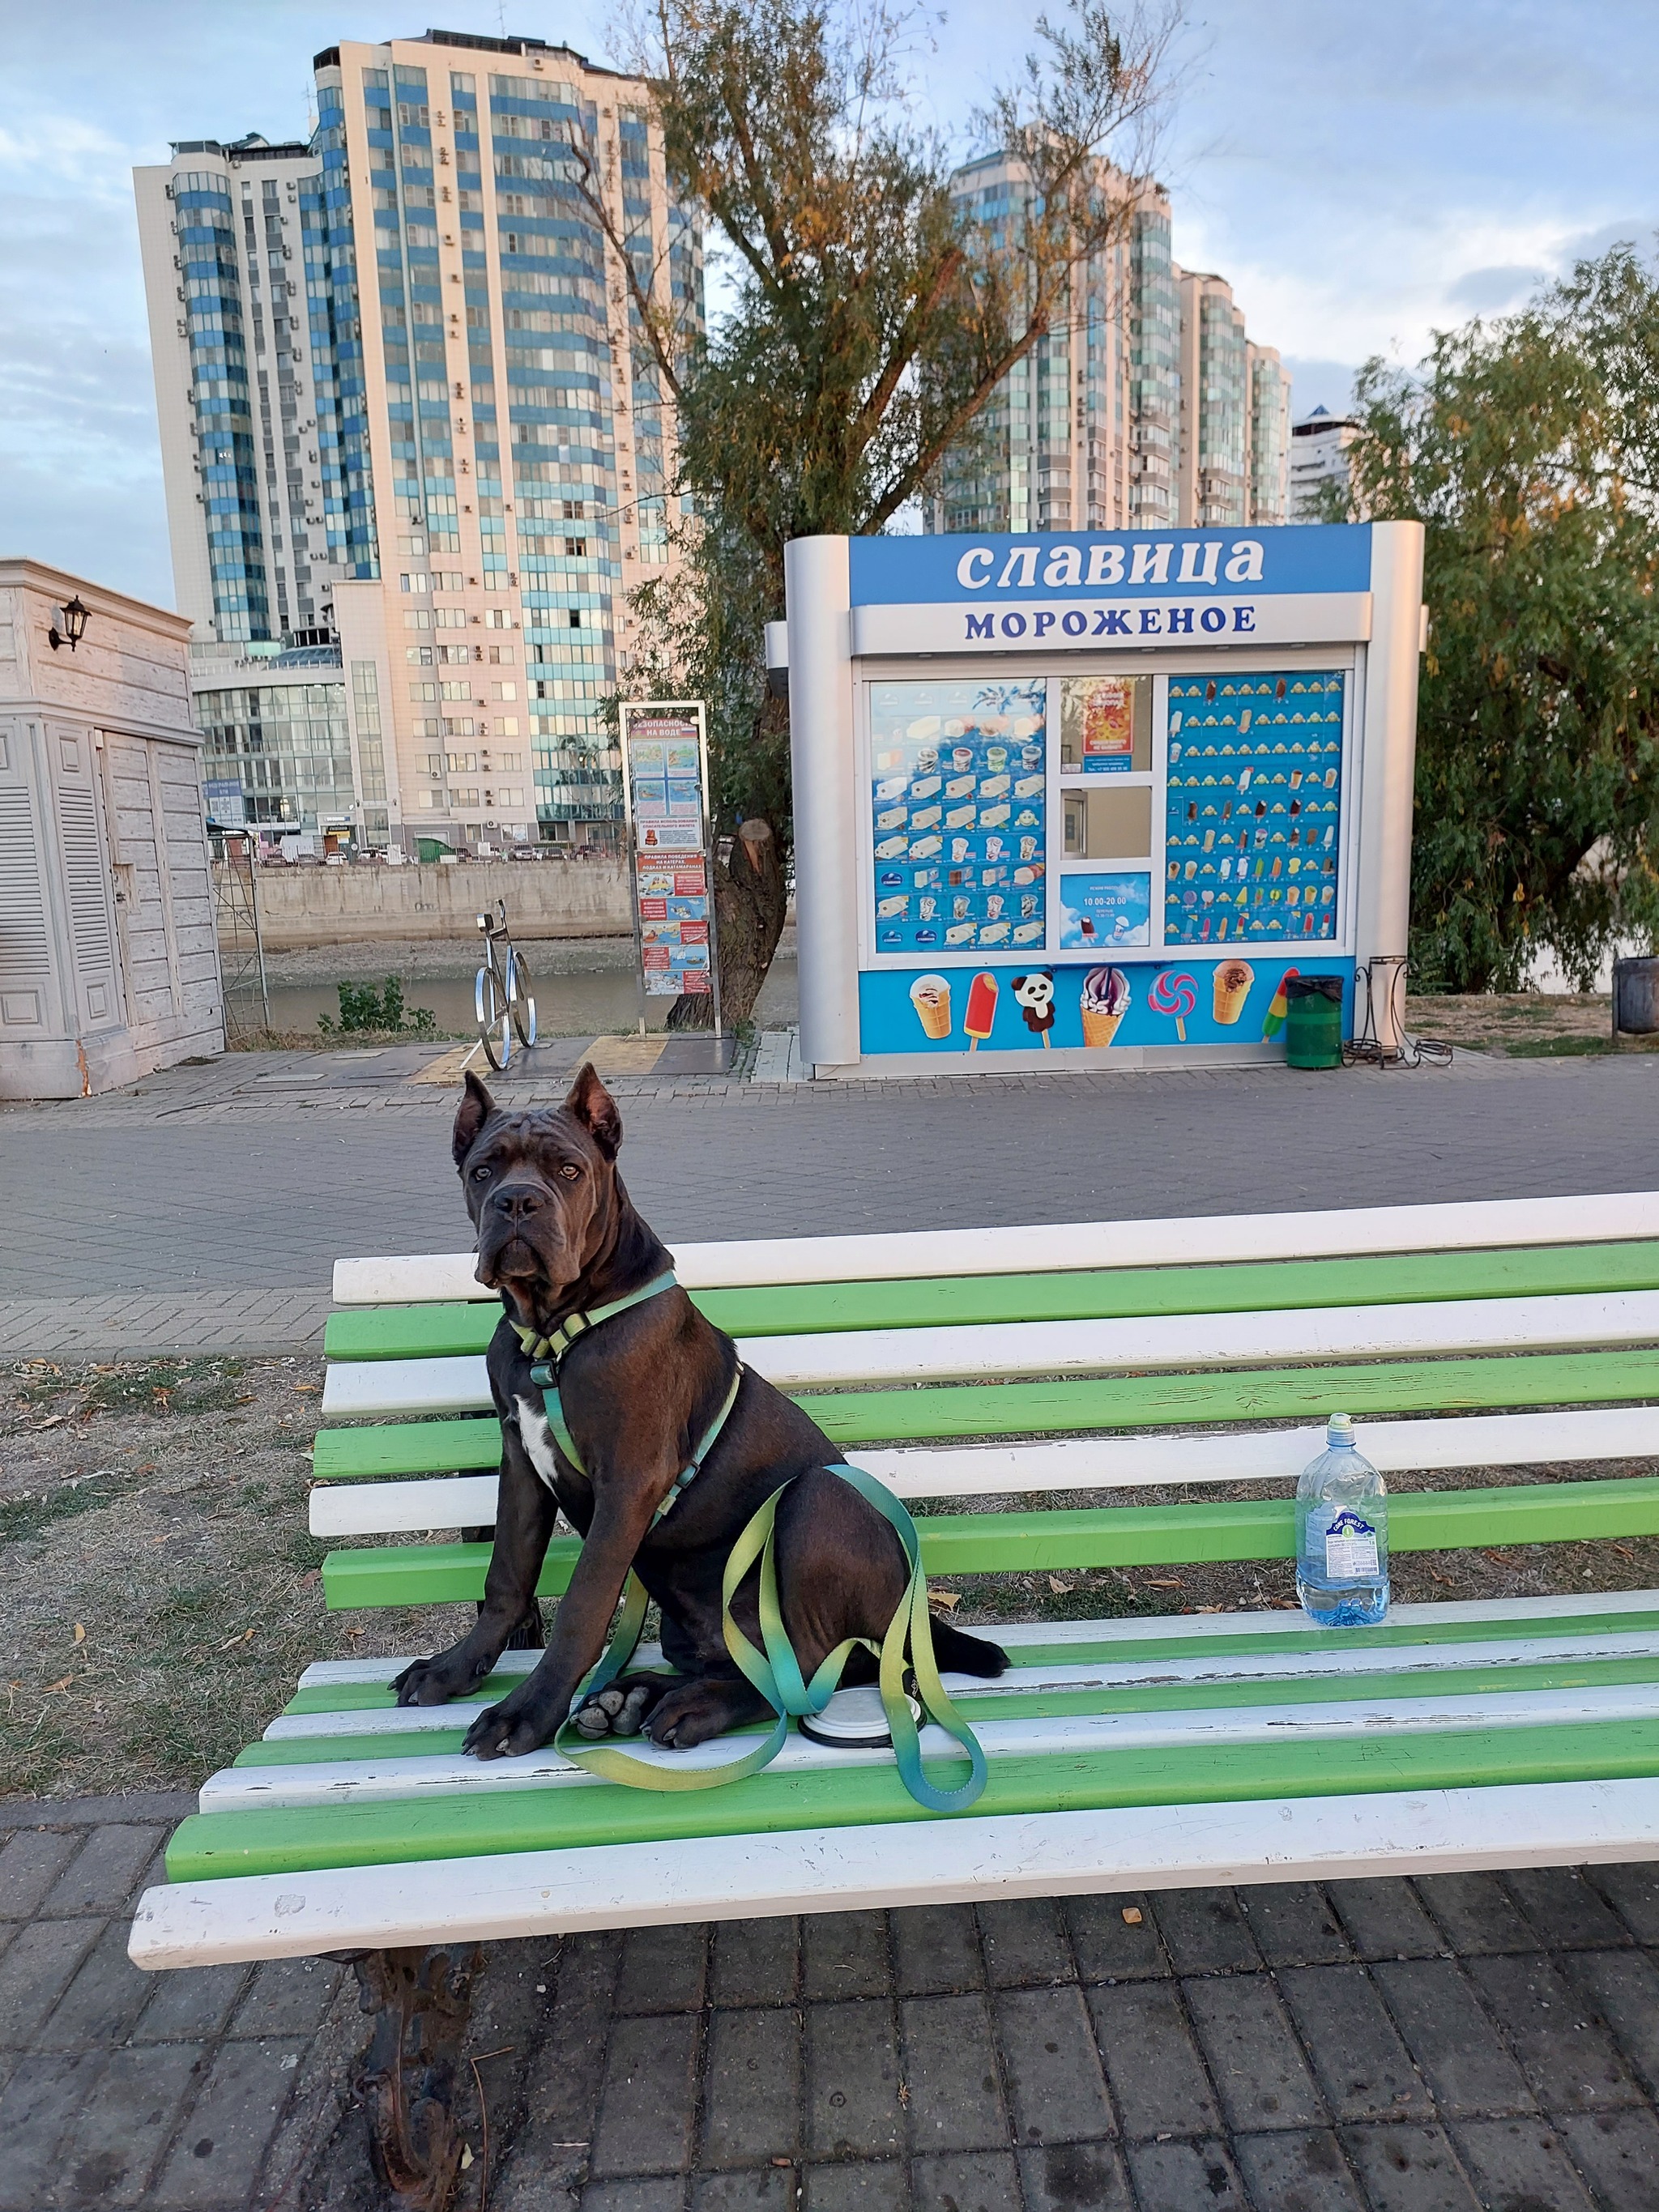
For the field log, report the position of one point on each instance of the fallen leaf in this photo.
(1444, 1580)
(80, 1633)
(1153, 1583)
(466, 2156)
(309, 1389)
(1133, 1915)
(1209, 1608)
(1500, 1558)
(246, 1637)
(1625, 1552)
(949, 1599)
(1059, 1588)
(62, 1683)
(50, 1422)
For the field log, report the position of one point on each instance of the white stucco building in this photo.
(109, 962)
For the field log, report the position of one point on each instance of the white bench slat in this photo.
(239, 1789)
(886, 1356)
(399, 1508)
(1497, 1612)
(1056, 1247)
(493, 1899)
(1109, 1672)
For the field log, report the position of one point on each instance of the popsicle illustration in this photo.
(1174, 993)
(981, 1009)
(1276, 1012)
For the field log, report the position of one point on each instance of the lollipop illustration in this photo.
(1174, 993)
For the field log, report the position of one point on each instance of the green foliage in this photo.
(1529, 449)
(873, 317)
(363, 1007)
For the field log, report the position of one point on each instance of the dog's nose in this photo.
(518, 1201)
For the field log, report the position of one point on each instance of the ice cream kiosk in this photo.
(1097, 798)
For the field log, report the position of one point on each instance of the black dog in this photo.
(558, 1235)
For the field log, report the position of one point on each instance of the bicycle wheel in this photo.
(494, 1023)
(521, 997)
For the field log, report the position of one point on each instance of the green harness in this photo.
(774, 1671)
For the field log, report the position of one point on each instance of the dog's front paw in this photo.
(434, 1681)
(508, 1731)
(619, 1710)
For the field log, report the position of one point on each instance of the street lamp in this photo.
(75, 625)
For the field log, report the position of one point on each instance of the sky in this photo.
(1362, 175)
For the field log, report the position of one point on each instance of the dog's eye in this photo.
(570, 1171)
(482, 1174)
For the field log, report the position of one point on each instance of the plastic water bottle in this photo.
(1342, 1535)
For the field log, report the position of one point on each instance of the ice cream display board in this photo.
(1093, 794)
(664, 783)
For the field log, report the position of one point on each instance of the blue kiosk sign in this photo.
(1078, 795)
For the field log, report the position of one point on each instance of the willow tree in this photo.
(872, 319)
(1528, 447)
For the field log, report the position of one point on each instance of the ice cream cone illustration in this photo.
(981, 1009)
(1231, 981)
(930, 997)
(1276, 1012)
(1104, 1002)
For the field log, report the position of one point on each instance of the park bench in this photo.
(1124, 1753)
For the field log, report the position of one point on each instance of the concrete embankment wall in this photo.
(371, 904)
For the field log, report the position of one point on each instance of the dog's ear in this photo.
(475, 1109)
(596, 1110)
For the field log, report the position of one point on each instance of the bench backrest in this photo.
(1510, 1332)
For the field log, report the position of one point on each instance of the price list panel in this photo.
(1254, 807)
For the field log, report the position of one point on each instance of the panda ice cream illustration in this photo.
(1034, 994)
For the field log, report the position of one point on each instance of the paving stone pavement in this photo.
(1458, 2042)
(203, 1179)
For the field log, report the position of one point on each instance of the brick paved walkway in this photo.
(1436, 2046)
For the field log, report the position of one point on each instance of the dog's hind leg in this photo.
(842, 1572)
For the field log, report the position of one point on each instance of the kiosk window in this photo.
(958, 794)
(1106, 724)
(1109, 824)
(1253, 833)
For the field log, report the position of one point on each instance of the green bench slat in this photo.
(1015, 1703)
(407, 1447)
(301, 1839)
(1095, 1294)
(954, 1410)
(1100, 1536)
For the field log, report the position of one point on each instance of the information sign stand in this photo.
(666, 787)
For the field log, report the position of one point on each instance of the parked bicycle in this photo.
(505, 998)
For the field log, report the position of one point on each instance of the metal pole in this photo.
(254, 908)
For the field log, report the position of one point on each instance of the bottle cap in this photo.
(1339, 1431)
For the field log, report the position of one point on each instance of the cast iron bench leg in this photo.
(420, 2000)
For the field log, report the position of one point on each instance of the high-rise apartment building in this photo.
(1144, 405)
(1270, 436)
(221, 231)
(1319, 461)
(464, 413)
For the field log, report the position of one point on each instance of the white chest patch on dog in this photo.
(537, 1437)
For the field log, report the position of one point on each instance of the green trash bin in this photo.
(1313, 1021)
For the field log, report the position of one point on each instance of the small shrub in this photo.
(362, 1007)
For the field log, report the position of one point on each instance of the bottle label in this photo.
(1350, 1547)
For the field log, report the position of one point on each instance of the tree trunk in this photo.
(750, 896)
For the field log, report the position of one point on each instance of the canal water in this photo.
(598, 1001)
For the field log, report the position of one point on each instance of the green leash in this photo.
(774, 1671)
